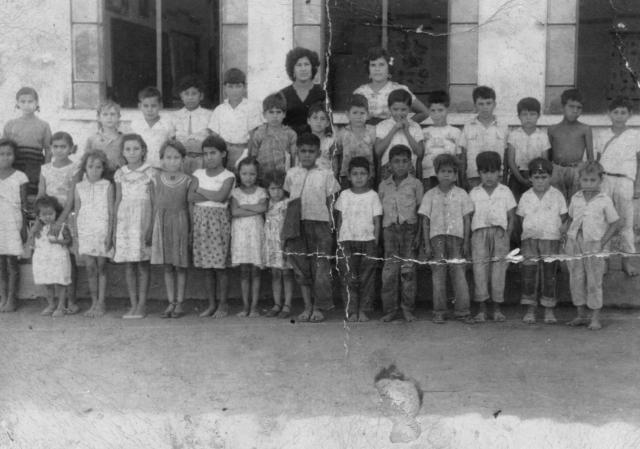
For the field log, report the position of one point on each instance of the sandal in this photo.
(168, 311)
(305, 316)
(285, 312)
(274, 311)
(177, 311)
(317, 317)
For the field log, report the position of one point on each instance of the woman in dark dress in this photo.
(302, 66)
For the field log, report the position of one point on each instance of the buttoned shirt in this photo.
(438, 140)
(593, 216)
(476, 138)
(154, 136)
(619, 156)
(542, 217)
(491, 210)
(384, 128)
(191, 127)
(400, 202)
(235, 124)
(528, 146)
(446, 210)
(319, 185)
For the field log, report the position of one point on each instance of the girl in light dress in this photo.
(108, 138)
(50, 263)
(248, 205)
(93, 205)
(377, 90)
(171, 224)
(211, 225)
(13, 200)
(56, 180)
(272, 254)
(133, 221)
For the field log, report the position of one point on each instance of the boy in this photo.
(525, 144)
(400, 195)
(440, 138)
(273, 144)
(318, 121)
(481, 134)
(569, 140)
(618, 150)
(316, 188)
(398, 130)
(236, 117)
(358, 222)
(356, 139)
(592, 221)
(154, 129)
(491, 227)
(191, 122)
(446, 223)
(542, 210)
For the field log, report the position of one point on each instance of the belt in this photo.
(193, 154)
(617, 175)
(569, 164)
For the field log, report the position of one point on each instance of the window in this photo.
(413, 31)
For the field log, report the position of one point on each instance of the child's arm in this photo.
(588, 142)
(611, 230)
(511, 217)
(254, 144)
(69, 205)
(42, 187)
(426, 233)
(377, 225)
(193, 185)
(47, 144)
(636, 184)
(115, 213)
(383, 143)
(338, 218)
(466, 245)
(108, 240)
(511, 159)
(66, 236)
(238, 210)
(219, 196)
(293, 150)
(149, 229)
(258, 208)
(23, 203)
(421, 111)
(416, 146)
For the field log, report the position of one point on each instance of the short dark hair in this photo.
(249, 160)
(439, 97)
(274, 101)
(275, 177)
(399, 150)
(176, 145)
(94, 154)
(150, 92)
(571, 95)
(399, 96)
(137, 138)
(315, 108)
(621, 102)
(62, 135)
(234, 76)
(188, 82)
(214, 141)
(360, 162)
(298, 53)
(591, 167)
(357, 101)
(484, 92)
(540, 164)
(48, 201)
(26, 90)
(446, 160)
(376, 53)
(308, 139)
(488, 161)
(528, 104)
(9, 143)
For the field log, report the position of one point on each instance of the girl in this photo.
(56, 180)
(133, 221)
(272, 254)
(209, 194)
(170, 242)
(108, 138)
(13, 198)
(32, 135)
(318, 121)
(50, 263)
(380, 66)
(248, 203)
(93, 205)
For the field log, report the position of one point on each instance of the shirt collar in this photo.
(475, 121)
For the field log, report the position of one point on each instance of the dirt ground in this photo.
(259, 383)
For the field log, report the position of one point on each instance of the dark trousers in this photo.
(358, 269)
(399, 274)
(533, 269)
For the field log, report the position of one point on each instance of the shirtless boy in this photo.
(569, 140)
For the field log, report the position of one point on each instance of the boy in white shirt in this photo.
(236, 117)
(491, 226)
(440, 138)
(154, 128)
(358, 222)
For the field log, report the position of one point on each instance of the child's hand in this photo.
(148, 236)
(428, 252)
(466, 249)
(416, 242)
(108, 244)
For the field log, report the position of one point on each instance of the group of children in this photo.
(234, 187)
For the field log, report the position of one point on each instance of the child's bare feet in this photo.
(274, 311)
(48, 310)
(594, 324)
(305, 315)
(130, 314)
(72, 309)
(253, 313)
(208, 312)
(178, 311)
(10, 305)
(352, 318)
(222, 311)
(58, 312)
(316, 316)
(141, 311)
(89, 313)
(243, 313)
(362, 317)
(628, 268)
(498, 316)
(480, 317)
(167, 312)
(408, 316)
(99, 310)
(438, 317)
(549, 317)
(389, 316)
(578, 321)
(529, 317)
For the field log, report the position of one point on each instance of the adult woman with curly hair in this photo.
(302, 66)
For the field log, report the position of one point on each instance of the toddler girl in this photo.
(318, 121)
(32, 135)
(133, 221)
(211, 225)
(93, 205)
(108, 138)
(51, 265)
(170, 242)
(13, 198)
(56, 180)
(272, 254)
(248, 204)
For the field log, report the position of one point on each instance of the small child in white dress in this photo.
(248, 204)
(51, 264)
